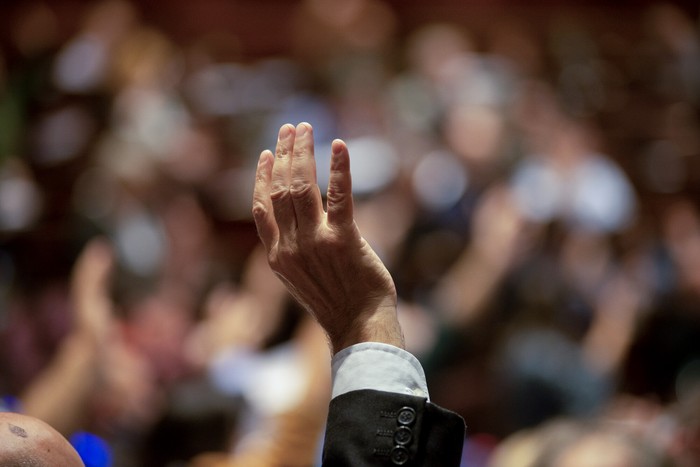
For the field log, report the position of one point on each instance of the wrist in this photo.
(381, 325)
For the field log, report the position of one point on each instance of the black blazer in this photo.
(377, 428)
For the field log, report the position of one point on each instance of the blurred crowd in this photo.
(533, 190)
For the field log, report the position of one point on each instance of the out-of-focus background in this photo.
(529, 172)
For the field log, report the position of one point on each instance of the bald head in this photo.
(28, 442)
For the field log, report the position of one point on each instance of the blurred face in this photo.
(27, 441)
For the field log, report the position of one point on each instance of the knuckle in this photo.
(300, 189)
(336, 196)
(282, 151)
(301, 151)
(279, 192)
(260, 177)
(259, 209)
(281, 258)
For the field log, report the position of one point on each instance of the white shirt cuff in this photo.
(374, 365)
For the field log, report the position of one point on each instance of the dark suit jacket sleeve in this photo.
(377, 428)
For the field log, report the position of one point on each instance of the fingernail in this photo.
(337, 146)
(302, 128)
(285, 131)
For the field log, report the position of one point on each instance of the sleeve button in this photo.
(399, 455)
(406, 416)
(403, 436)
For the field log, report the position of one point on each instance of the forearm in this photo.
(59, 394)
(468, 287)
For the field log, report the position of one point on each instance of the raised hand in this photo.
(89, 290)
(320, 255)
(59, 395)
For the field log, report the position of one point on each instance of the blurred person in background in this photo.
(575, 443)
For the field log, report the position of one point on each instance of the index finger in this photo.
(263, 213)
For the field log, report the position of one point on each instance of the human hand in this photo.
(89, 291)
(320, 255)
(60, 392)
(232, 319)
